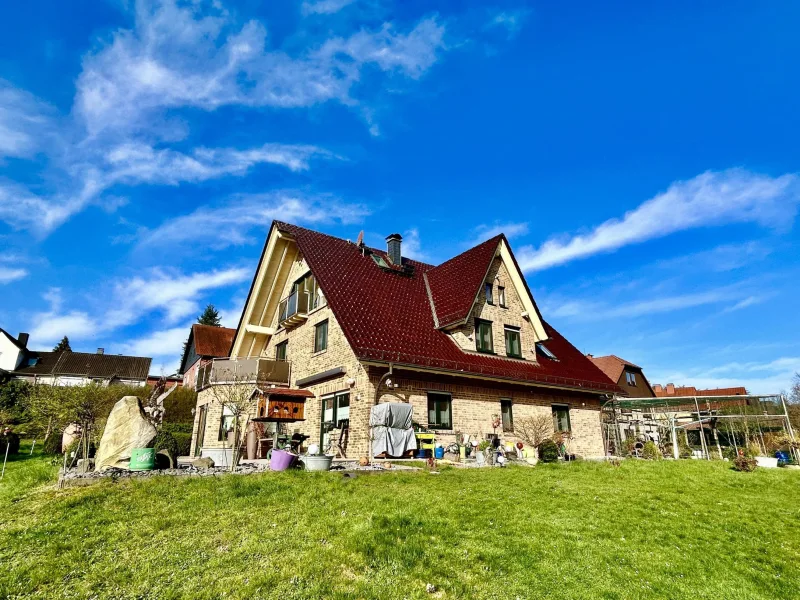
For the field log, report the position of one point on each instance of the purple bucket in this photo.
(282, 460)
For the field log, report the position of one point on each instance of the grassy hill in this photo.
(689, 529)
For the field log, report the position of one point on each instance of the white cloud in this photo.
(324, 7)
(710, 199)
(163, 346)
(758, 377)
(26, 124)
(234, 220)
(173, 295)
(727, 257)
(7, 274)
(512, 21)
(141, 163)
(486, 232)
(173, 58)
(581, 310)
(412, 246)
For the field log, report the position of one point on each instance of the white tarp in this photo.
(392, 431)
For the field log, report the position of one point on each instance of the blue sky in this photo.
(642, 159)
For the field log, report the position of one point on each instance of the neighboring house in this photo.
(171, 380)
(69, 368)
(341, 327)
(628, 376)
(12, 350)
(205, 343)
(670, 390)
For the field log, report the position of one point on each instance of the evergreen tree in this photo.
(63, 345)
(210, 316)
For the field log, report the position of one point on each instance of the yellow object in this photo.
(426, 441)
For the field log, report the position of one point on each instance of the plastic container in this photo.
(142, 459)
(317, 462)
(282, 460)
(438, 452)
(783, 457)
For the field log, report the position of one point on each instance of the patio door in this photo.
(335, 415)
(201, 431)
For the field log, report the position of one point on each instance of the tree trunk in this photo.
(235, 448)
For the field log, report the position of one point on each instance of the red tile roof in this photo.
(693, 391)
(211, 341)
(612, 365)
(455, 284)
(386, 317)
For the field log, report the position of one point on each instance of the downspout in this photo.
(381, 381)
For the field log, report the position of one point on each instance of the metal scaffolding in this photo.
(699, 424)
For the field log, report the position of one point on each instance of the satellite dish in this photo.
(360, 239)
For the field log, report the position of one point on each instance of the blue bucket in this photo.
(438, 452)
(783, 457)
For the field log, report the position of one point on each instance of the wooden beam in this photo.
(249, 328)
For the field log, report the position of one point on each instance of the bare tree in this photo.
(233, 387)
(534, 430)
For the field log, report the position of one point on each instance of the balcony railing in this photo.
(244, 370)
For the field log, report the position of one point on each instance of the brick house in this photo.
(352, 326)
(205, 343)
(625, 374)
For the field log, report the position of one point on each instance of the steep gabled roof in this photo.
(12, 339)
(212, 341)
(612, 365)
(456, 283)
(387, 317)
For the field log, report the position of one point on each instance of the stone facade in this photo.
(474, 401)
(500, 316)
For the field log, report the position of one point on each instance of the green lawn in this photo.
(643, 530)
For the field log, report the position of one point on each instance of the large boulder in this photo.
(127, 428)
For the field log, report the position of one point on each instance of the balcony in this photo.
(259, 371)
(293, 309)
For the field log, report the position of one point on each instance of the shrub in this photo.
(179, 404)
(77, 447)
(11, 440)
(166, 441)
(184, 441)
(174, 428)
(651, 451)
(52, 445)
(744, 464)
(548, 451)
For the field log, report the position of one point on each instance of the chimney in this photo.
(671, 389)
(393, 249)
(22, 338)
(590, 356)
(101, 351)
(656, 387)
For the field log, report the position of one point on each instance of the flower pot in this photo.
(282, 460)
(144, 459)
(318, 462)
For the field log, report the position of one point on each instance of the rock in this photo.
(127, 428)
(85, 465)
(203, 463)
(363, 461)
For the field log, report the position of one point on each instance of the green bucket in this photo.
(143, 459)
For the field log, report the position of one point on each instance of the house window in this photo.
(630, 378)
(225, 424)
(545, 351)
(439, 411)
(321, 336)
(483, 336)
(561, 418)
(501, 296)
(507, 414)
(488, 292)
(335, 415)
(280, 350)
(513, 347)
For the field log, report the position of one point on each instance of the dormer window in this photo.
(489, 293)
(501, 296)
(380, 262)
(545, 351)
(630, 378)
